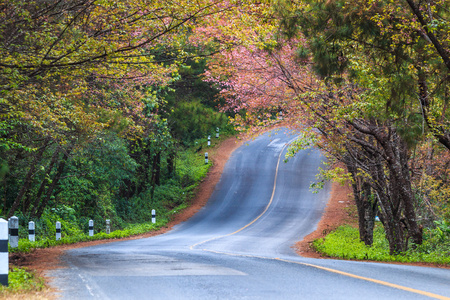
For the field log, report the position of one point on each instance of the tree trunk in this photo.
(28, 178)
(38, 196)
(37, 212)
(369, 210)
(366, 206)
(382, 155)
(156, 169)
(171, 164)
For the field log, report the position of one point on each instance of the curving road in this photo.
(239, 245)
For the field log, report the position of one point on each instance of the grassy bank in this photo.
(344, 243)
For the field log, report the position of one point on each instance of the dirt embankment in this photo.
(337, 212)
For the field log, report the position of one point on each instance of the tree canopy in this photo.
(370, 80)
(102, 93)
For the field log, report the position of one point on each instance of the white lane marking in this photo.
(85, 282)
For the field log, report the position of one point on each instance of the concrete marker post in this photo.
(91, 227)
(13, 232)
(209, 140)
(108, 226)
(58, 230)
(217, 134)
(4, 259)
(153, 216)
(31, 232)
(206, 158)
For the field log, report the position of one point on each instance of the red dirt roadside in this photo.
(336, 213)
(41, 260)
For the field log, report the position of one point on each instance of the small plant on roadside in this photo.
(23, 280)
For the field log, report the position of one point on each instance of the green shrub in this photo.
(344, 243)
(26, 246)
(23, 280)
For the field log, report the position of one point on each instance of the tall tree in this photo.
(360, 103)
(71, 69)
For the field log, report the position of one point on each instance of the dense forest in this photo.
(100, 119)
(102, 100)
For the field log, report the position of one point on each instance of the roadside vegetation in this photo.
(23, 283)
(368, 83)
(105, 108)
(103, 115)
(345, 243)
(170, 200)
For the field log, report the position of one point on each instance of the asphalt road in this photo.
(239, 245)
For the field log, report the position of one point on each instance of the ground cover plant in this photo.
(345, 243)
(23, 281)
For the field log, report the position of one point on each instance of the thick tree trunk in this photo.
(382, 155)
(369, 205)
(366, 205)
(399, 203)
(400, 172)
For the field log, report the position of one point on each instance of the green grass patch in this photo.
(23, 280)
(344, 243)
(25, 246)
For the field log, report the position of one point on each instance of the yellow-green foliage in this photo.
(437, 193)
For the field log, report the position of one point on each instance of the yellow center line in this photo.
(258, 217)
(385, 283)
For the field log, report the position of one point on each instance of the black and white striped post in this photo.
(91, 227)
(14, 232)
(153, 216)
(31, 231)
(108, 226)
(206, 158)
(4, 259)
(217, 132)
(58, 230)
(209, 140)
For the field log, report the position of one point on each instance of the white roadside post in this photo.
(206, 158)
(31, 231)
(209, 140)
(108, 226)
(153, 216)
(58, 230)
(4, 259)
(91, 227)
(14, 232)
(217, 134)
